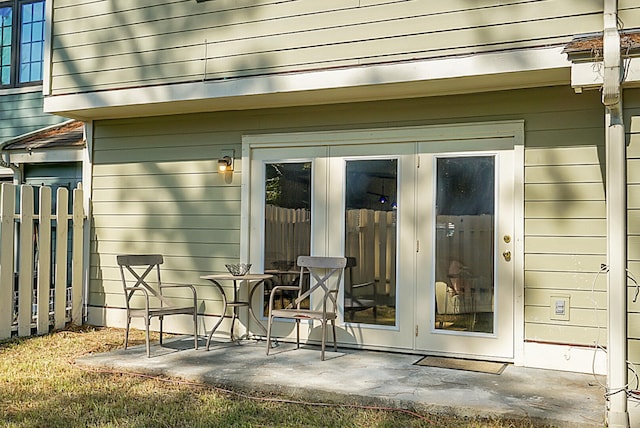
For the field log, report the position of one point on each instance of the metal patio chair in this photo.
(355, 299)
(134, 270)
(331, 269)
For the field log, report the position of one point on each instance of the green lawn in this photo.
(40, 386)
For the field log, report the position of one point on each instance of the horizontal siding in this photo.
(100, 46)
(21, 113)
(632, 123)
(155, 189)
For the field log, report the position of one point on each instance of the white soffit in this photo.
(454, 75)
(589, 75)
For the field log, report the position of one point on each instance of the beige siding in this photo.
(155, 189)
(632, 122)
(103, 44)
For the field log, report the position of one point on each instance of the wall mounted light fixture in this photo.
(225, 163)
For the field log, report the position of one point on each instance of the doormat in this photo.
(490, 367)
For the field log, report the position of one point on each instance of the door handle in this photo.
(507, 256)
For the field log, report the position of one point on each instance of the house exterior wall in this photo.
(101, 45)
(155, 190)
(21, 111)
(632, 124)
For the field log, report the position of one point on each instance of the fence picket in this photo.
(44, 257)
(25, 261)
(61, 257)
(76, 266)
(7, 233)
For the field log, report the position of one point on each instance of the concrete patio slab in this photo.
(368, 377)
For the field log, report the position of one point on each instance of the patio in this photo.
(370, 378)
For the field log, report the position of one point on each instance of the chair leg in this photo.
(195, 329)
(146, 322)
(161, 318)
(269, 321)
(297, 333)
(324, 338)
(126, 333)
(335, 342)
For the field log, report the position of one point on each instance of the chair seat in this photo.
(303, 314)
(167, 310)
(358, 304)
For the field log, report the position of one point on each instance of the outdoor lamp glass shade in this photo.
(225, 164)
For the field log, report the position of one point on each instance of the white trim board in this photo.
(495, 71)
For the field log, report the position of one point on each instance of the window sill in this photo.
(21, 90)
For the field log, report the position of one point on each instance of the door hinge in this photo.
(418, 162)
(416, 330)
(417, 245)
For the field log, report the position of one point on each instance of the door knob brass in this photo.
(507, 255)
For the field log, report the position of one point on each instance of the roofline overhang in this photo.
(47, 155)
(504, 70)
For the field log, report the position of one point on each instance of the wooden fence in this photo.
(371, 240)
(41, 259)
(468, 240)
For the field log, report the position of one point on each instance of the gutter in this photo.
(616, 411)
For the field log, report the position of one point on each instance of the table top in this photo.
(228, 276)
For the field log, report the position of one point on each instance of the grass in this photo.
(40, 386)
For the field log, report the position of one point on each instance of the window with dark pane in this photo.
(371, 201)
(22, 28)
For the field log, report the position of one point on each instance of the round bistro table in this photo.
(253, 281)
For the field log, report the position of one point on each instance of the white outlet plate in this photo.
(560, 307)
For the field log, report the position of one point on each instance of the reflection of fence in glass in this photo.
(468, 240)
(287, 236)
(371, 239)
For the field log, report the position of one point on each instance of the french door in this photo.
(426, 217)
(465, 278)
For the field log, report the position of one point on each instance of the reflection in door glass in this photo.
(287, 223)
(370, 247)
(464, 247)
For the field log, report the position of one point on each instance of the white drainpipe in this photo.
(616, 412)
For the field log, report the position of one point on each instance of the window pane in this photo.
(36, 53)
(6, 56)
(26, 33)
(5, 75)
(36, 72)
(6, 36)
(6, 17)
(27, 15)
(38, 11)
(371, 207)
(287, 223)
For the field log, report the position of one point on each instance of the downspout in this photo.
(616, 188)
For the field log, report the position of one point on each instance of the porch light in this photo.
(225, 163)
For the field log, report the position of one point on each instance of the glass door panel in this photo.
(464, 243)
(371, 195)
(287, 223)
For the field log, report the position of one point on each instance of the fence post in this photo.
(44, 260)
(7, 216)
(76, 273)
(62, 216)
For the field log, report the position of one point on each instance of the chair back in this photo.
(134, 270)
(329, 283)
